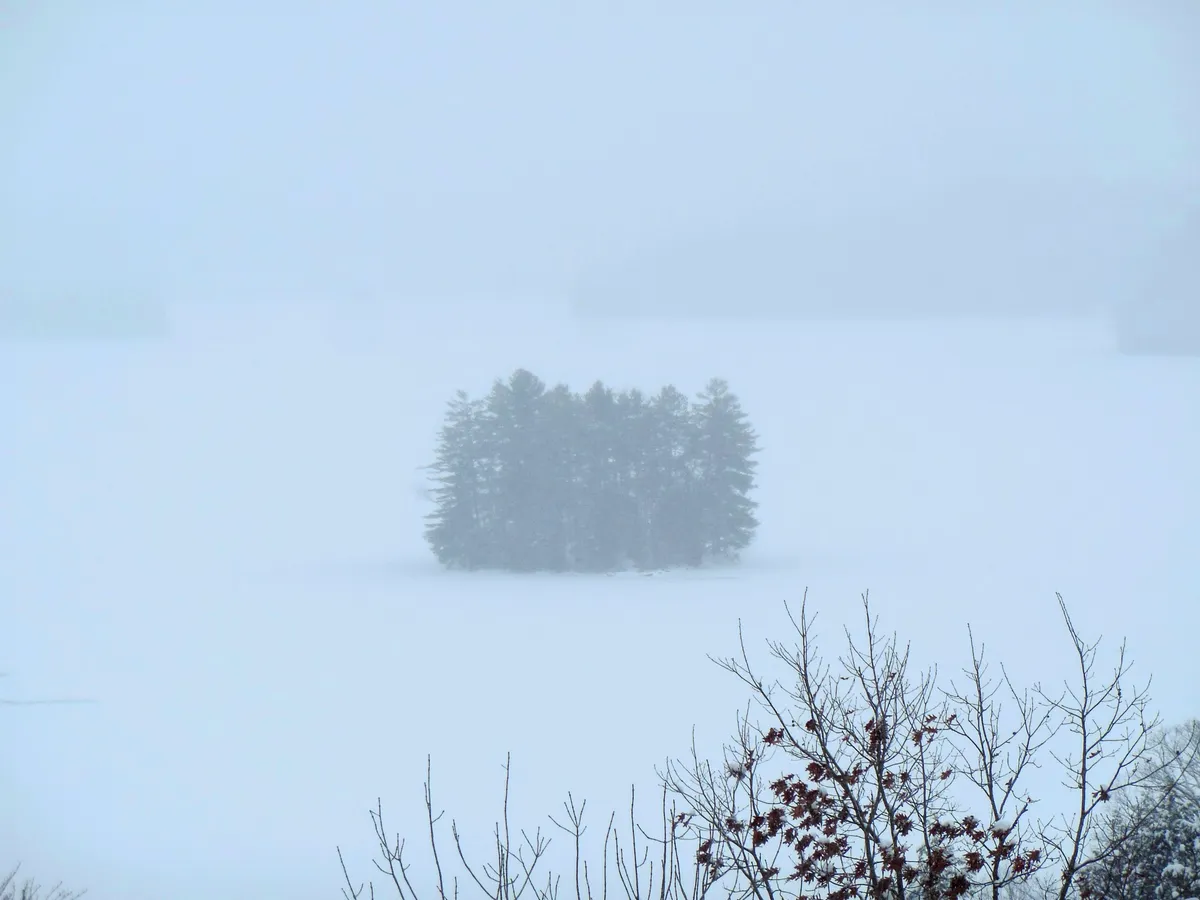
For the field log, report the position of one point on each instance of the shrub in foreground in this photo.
(31, 890)
(862, 778)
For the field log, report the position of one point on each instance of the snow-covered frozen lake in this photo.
(217, 537)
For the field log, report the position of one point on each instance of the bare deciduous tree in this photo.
(872, 781)
(1115, 737)
(31, 890)
(862, 802)
(640, 865)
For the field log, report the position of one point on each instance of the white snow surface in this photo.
(216, 538)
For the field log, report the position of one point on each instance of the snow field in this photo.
(217, 540)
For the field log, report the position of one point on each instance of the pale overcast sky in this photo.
(447, 147)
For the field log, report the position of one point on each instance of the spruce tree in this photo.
(725, 443)
(561, 498)
(521, 479)
(457, 530)
(604, 503)
(634, 454)
(669, 484)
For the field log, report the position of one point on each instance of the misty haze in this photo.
(393, 383)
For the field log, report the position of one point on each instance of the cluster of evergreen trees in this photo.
(530, 478)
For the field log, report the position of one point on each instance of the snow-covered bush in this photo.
(1149, 847)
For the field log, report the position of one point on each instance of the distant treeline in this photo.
(530, 478)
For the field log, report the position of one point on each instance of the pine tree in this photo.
(725, 443)
(457, 530)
